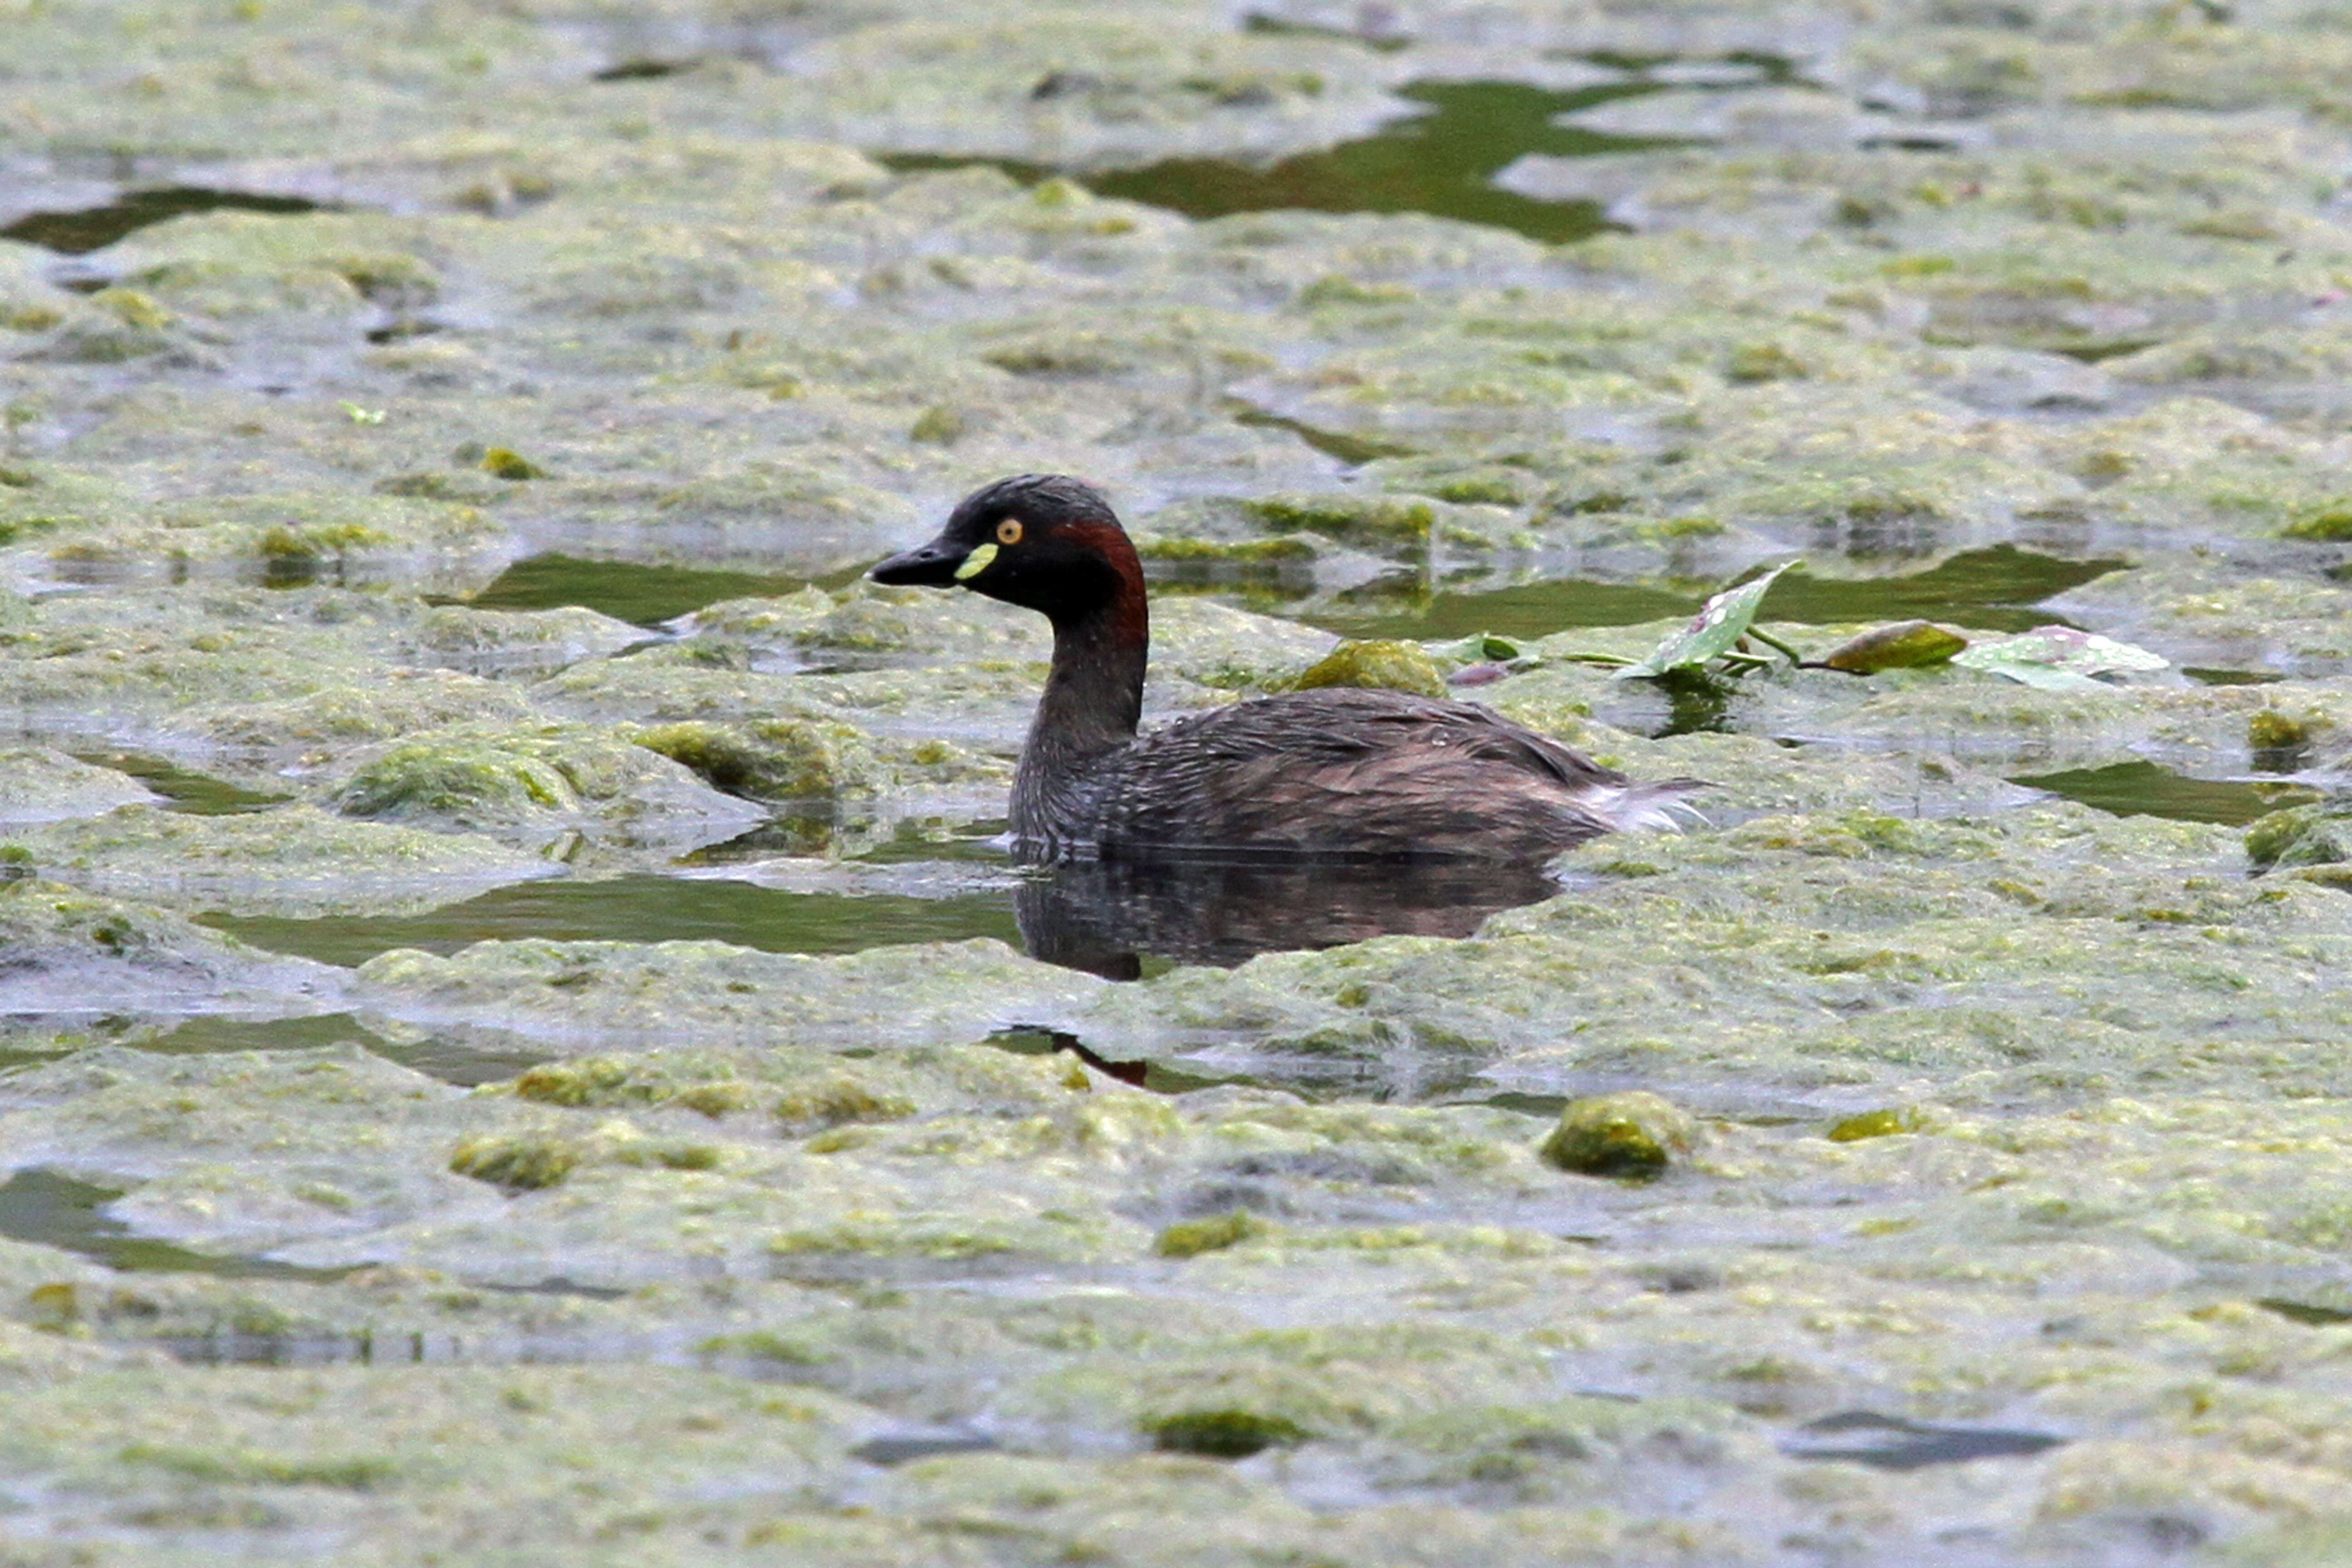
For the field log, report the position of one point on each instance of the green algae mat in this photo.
(517, 1040)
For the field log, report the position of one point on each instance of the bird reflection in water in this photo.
(1108, 917)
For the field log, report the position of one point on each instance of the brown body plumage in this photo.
(1329, 773)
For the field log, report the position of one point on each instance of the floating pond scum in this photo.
(510, 990)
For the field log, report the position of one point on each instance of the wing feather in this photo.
(1343, 771)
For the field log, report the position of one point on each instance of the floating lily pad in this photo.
(1722, 621)
(2058, 658)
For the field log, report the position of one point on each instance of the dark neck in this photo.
(1094, 694)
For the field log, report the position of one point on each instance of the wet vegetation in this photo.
(504, 948)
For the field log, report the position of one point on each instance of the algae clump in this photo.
(772, 760)
(588, 1082)
(518, 1163)
(1632, 1135)
(833, 1101)
(1884, 1122)
(1223, 1434)
(1372, 522)
(537, 780)
(2333, 526)
(1382, 665)
(422, 779)
(2316, 835)
(1262, 552)
(504, 463)
(1190, 1238)
(591, 1081)
(2280, 743)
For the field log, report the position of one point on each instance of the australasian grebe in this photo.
(1337, 771)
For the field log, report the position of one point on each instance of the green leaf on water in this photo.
(1478, 648)
(1906, 645)
(1722, 621)
(2058, 658)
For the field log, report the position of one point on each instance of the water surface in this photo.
(1988, 590)
(93, 228)
(41, 1207)
(643, 908)
(1441, 162)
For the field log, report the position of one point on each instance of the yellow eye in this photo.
(1008, 532)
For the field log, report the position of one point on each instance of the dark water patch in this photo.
(1229, 1434)
(365, 1347)
(558, 1285)
(1532, 609)
(1757, 69)
(207, 1034)
(2143, 789)
(819, 833)
(1442, 162)
(816, 834)
(625, 590)
(48, 1209)
(643, 70)
(1368, 19)
(1988, 590)
(400, 332)
(931, 162)
(1697, 704)
(405, 1347)
(93, 228)
(2310, 1314)
(1125, 921)
(2091, 354)
(1113, 918)
(642, 908)
(1890, 1442)
(1991, 590)
(461, 1065)
(970, 842)
(198, 795)
(903, 1447)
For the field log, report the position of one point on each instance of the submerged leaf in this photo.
(2058, 658)
(1905, 645)
(1722, 621)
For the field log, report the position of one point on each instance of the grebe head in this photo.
(1045, 542)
